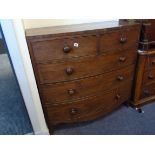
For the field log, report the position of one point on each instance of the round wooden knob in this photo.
(122, 59)
(69, 71)
(151, 77)
(66, 49)
(73, 111)
(123, 40)
(120, 78)
(146, 92)
(153, 62)
(71, 91)
(118, 96)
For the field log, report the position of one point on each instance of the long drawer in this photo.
(119, 39)
(61, 48)
(85, 67)
(64, 92)
(89, 108)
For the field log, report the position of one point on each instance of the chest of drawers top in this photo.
(77, 29)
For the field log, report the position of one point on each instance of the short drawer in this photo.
(89, 108)
(85, 67)
(64, 92)
(148, 91)
(122, 39)
(149, 77)
(63, 48)
(150, 62)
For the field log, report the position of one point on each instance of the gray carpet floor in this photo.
(123, 121)
(14, 119)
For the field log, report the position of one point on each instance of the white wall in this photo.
(36, 23)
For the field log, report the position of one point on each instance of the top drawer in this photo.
(61, 48)
(122, 39)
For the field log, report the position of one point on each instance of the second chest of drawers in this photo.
(144, 91)
(83, 73)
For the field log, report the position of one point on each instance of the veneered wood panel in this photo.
(85, 67)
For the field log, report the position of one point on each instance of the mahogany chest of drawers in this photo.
(83, 71)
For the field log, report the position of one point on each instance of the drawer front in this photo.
(77, 111)
(84, 67)
(119, 40)
(64, 92)
(148, 90)
(90, 108)
(48, 50)
(150, 62)
(149, 77)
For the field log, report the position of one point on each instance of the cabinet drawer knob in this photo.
(71, 91)
(118, 96)
(123, 40)
(69, 70)
(73, 111)
(153, 62)
(146, 92)
(66, 49)
(151, 77)
(122, 59)
(120, 78)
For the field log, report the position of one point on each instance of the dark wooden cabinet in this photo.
(83, 71)
(147, 37)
